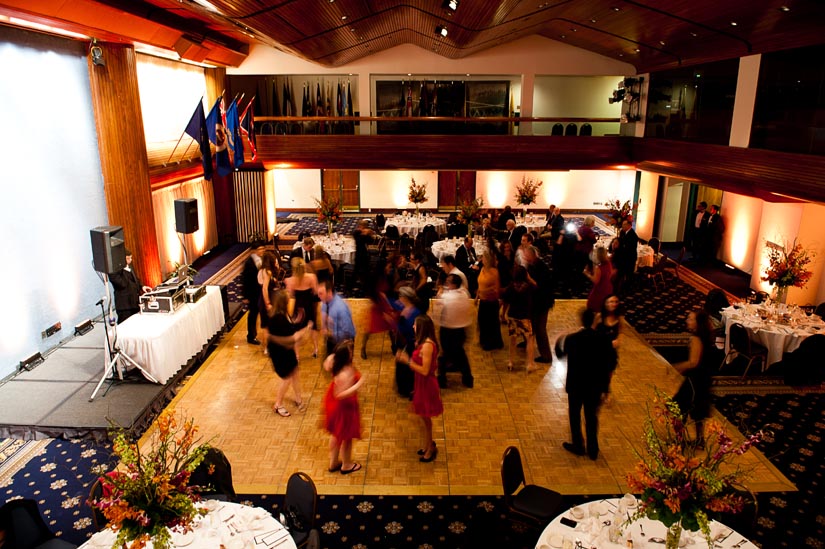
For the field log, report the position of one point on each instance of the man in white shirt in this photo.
(456, 315)
(449, 267)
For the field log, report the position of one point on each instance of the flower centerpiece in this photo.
(787, 268)
(329, 211)
(618, 212)
(149, 494)
(527, 192)
(684, 482)
(417, 194)
(468, 212)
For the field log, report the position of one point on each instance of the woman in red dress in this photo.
(343, 416)
(426, 401)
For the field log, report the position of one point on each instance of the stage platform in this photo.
(52, 400)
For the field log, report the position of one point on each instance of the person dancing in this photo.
(267, 276)
(342, 414)
(303, 288)
(283, 337)
(426, 401)
(693, 396)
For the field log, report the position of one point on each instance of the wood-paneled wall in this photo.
(123, 157)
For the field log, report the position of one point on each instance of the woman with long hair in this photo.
(518, 308)
(342, 414)
(267, 276)
(321, 264)
(600, 273)
(487, 299)
(506, 261)
(303, 288)
(283, 337)
(426, 402)
(693, 396)
(607, 323)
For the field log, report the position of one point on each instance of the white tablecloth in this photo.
(228, 525)
(592, 532)
(412, 224)
(339, 247)
(644, 256)
(163, 343)
(450, 245)
(532, 222)
(777, 337)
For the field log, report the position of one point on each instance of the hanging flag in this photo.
(402, 105)
(287, 102)
(409, 101)
(217, 135)
(340, 105)
(434, 101)
(276, 101)
(349, 100)
(248, 129)
(233, 128)
(422, 100)
(196, 129)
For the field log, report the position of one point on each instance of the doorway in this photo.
(342, 185)
(455, 187)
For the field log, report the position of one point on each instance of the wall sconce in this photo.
(441, 31)
(97, 54)
(29, 363)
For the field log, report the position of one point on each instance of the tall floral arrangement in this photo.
(149, 493)
(418, 193)
(788, 268)
(329, 211)
(468, 212)
(527, 191)
(685, 482)
(618, 211)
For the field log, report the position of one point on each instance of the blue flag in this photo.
(233, 128)
(217, 135)
(196, 129)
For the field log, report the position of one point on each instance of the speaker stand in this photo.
(113, 356)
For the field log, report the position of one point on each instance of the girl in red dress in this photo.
(343, 417)
(426, 401)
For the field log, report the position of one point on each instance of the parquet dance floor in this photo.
(231, 399)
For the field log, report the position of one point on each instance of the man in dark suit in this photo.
(513, 233)
(543, 301)
(716, 230)
(251, 291)
(304, 251)
(699, 230)
(506, 216)
(127, 290)
(627, 255)
(485, 230)
(590, 361)
(466, 261)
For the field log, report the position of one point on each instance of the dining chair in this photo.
(740, 345)
(98, 519)
(674, 265)
(571, 129)
(531, 501)
(586, 129)
(26, 529)
(820, 310)
(213, 476)
(655, 273)
(301, 500)
(558, 129)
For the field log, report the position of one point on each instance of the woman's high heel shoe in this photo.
(432, 457)
(422, 451)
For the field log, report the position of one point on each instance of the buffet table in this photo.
(592, 529)
(779, 329)
(163, 343)
(339, 247)
(414, 224)
(227, 525)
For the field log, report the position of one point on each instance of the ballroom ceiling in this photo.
(649, 34)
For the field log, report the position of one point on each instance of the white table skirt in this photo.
(450, 245)
(228, 525)
(163, 343)
(412, 225)
(776, 338)
(592, 531)
(340, 248)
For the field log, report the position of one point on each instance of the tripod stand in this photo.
(113, 356)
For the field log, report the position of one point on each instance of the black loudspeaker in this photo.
(186, 215)
(108, 251)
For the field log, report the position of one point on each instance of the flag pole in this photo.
(178, 143)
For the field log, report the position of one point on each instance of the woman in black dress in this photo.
(693, 397)
(283, 336)
(267, 278)
(303, 288)
(607, 323)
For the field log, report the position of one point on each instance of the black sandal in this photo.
(422, 451)
(355, 467)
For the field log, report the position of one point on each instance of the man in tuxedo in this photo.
(304, 251)
(506, 216)
(127, 290)
(485, 230)
(251, 291)
(543, 300)
(513, 233)
(590, 361)
(699, 231)
(627, 255)
(716, 230)
(556, 226)
(467, 262)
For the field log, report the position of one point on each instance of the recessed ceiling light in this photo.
(733, 23)
(352, 30)
(694, 35)
(661, 42)
(451, 5)
(786, 9)
(621, 55)
(575, 30)
(617, 9)
(592, 20)
(343, 18)
(440, 30)
(563, 36)
(637, 50)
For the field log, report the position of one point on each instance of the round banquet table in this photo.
(644, 256)
(339, 247)
(450, 245)
(414, 224)
(229, 525)
(778, 337)
(532, 222)
(591, 530)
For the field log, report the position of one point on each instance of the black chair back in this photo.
(303, 234)
(214, 475)
(558, 129)
(654, 244)
(392, 232)
(26, 527)
(587, 129)
(715, 301)
(571, 129)
(96, 492)
(820, 310)
(512, 471)
(380, 221)
(738, 339)
(760, 297)
(301, 499)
